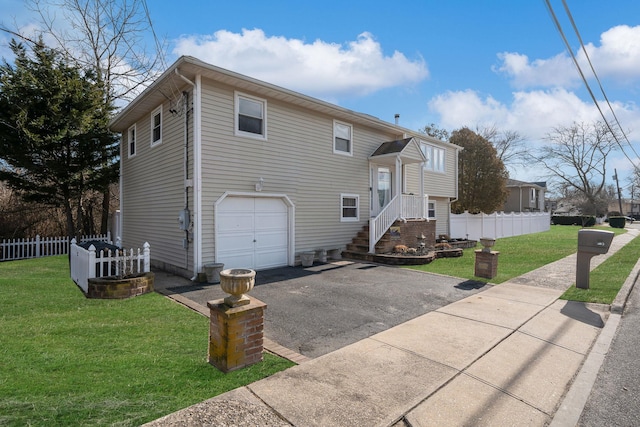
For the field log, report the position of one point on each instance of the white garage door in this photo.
(252, 233)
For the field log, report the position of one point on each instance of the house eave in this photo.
(169, 86)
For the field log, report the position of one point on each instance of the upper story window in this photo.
(435, 157)
(132, 140)
(251, 116)
(342, 138)
(156, 126)
(349, 207)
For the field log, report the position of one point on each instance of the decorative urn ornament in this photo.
(237, 282)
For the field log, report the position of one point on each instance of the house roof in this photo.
(516, 183)
(185, 71)
(408, 149)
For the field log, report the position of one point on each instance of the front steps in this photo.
(358, 249)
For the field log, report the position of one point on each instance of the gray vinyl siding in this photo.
(297, 159)
(153, 191)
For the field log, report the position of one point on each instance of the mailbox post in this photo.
(590, 244)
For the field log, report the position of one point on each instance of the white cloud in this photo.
(619, 53)
(322, 69)
(533, 113)
(556, 71)
(617, 57)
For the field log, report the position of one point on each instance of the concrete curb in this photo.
(570, 410)
(619, 303)
(574, 402)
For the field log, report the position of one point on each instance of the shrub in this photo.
(581, 220)
(617, 221)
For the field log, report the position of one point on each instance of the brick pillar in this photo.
(486, 264)
(235, 334)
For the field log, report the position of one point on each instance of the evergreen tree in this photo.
(55, 144)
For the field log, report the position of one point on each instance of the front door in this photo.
(381, 188)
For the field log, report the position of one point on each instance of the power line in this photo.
(586, 83)
(586, 54)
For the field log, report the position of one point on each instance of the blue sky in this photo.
(452, 63)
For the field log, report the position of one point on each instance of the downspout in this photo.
(118, 239)
(197, 243)
(451, 201)
(186, 174)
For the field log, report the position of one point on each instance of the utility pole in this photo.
(618, 186)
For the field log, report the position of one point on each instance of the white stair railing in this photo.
(381, 223)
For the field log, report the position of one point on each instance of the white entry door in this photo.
(382, 186)
(252, 232)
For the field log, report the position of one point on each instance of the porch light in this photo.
(260, 184)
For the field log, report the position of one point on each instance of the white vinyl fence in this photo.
(498, 224)
(89, 263)
(37, 247)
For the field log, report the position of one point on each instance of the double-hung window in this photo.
(349, 207)
(251, 116)
(435, 157)
(431, 210)
(156, 126)
(132, 141)
(342, 138)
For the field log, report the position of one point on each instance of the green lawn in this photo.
(606, 280)
(518, 255)
(521, 254)
(68, 360)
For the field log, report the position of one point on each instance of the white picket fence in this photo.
(13, 249)
(498, 224)
(89, 263)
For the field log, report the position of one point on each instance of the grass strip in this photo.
(518, 254)
(68, 360)
(606, 279)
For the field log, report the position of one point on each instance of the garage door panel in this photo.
(270, 205)
(238, 259)
(271, 240)
(270, 260)
(236, 222)
(253, 233)
(237, 241)
(271, 221)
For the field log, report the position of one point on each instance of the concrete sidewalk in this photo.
(504, 356)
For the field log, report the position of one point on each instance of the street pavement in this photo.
(615, 396)
(506, 355)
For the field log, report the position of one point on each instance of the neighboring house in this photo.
(220, 167)
(525, 196)
(629, 207)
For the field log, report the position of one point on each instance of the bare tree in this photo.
(510, 145)
(436, 132)
(106, 37)
(576, 156)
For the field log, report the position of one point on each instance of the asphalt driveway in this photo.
(319, 309)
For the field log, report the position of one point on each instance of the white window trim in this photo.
(432, 157)
(434, 209)
(135, 141)
(350, 196)
(238, 132)
(153, 114)
(333, 141)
